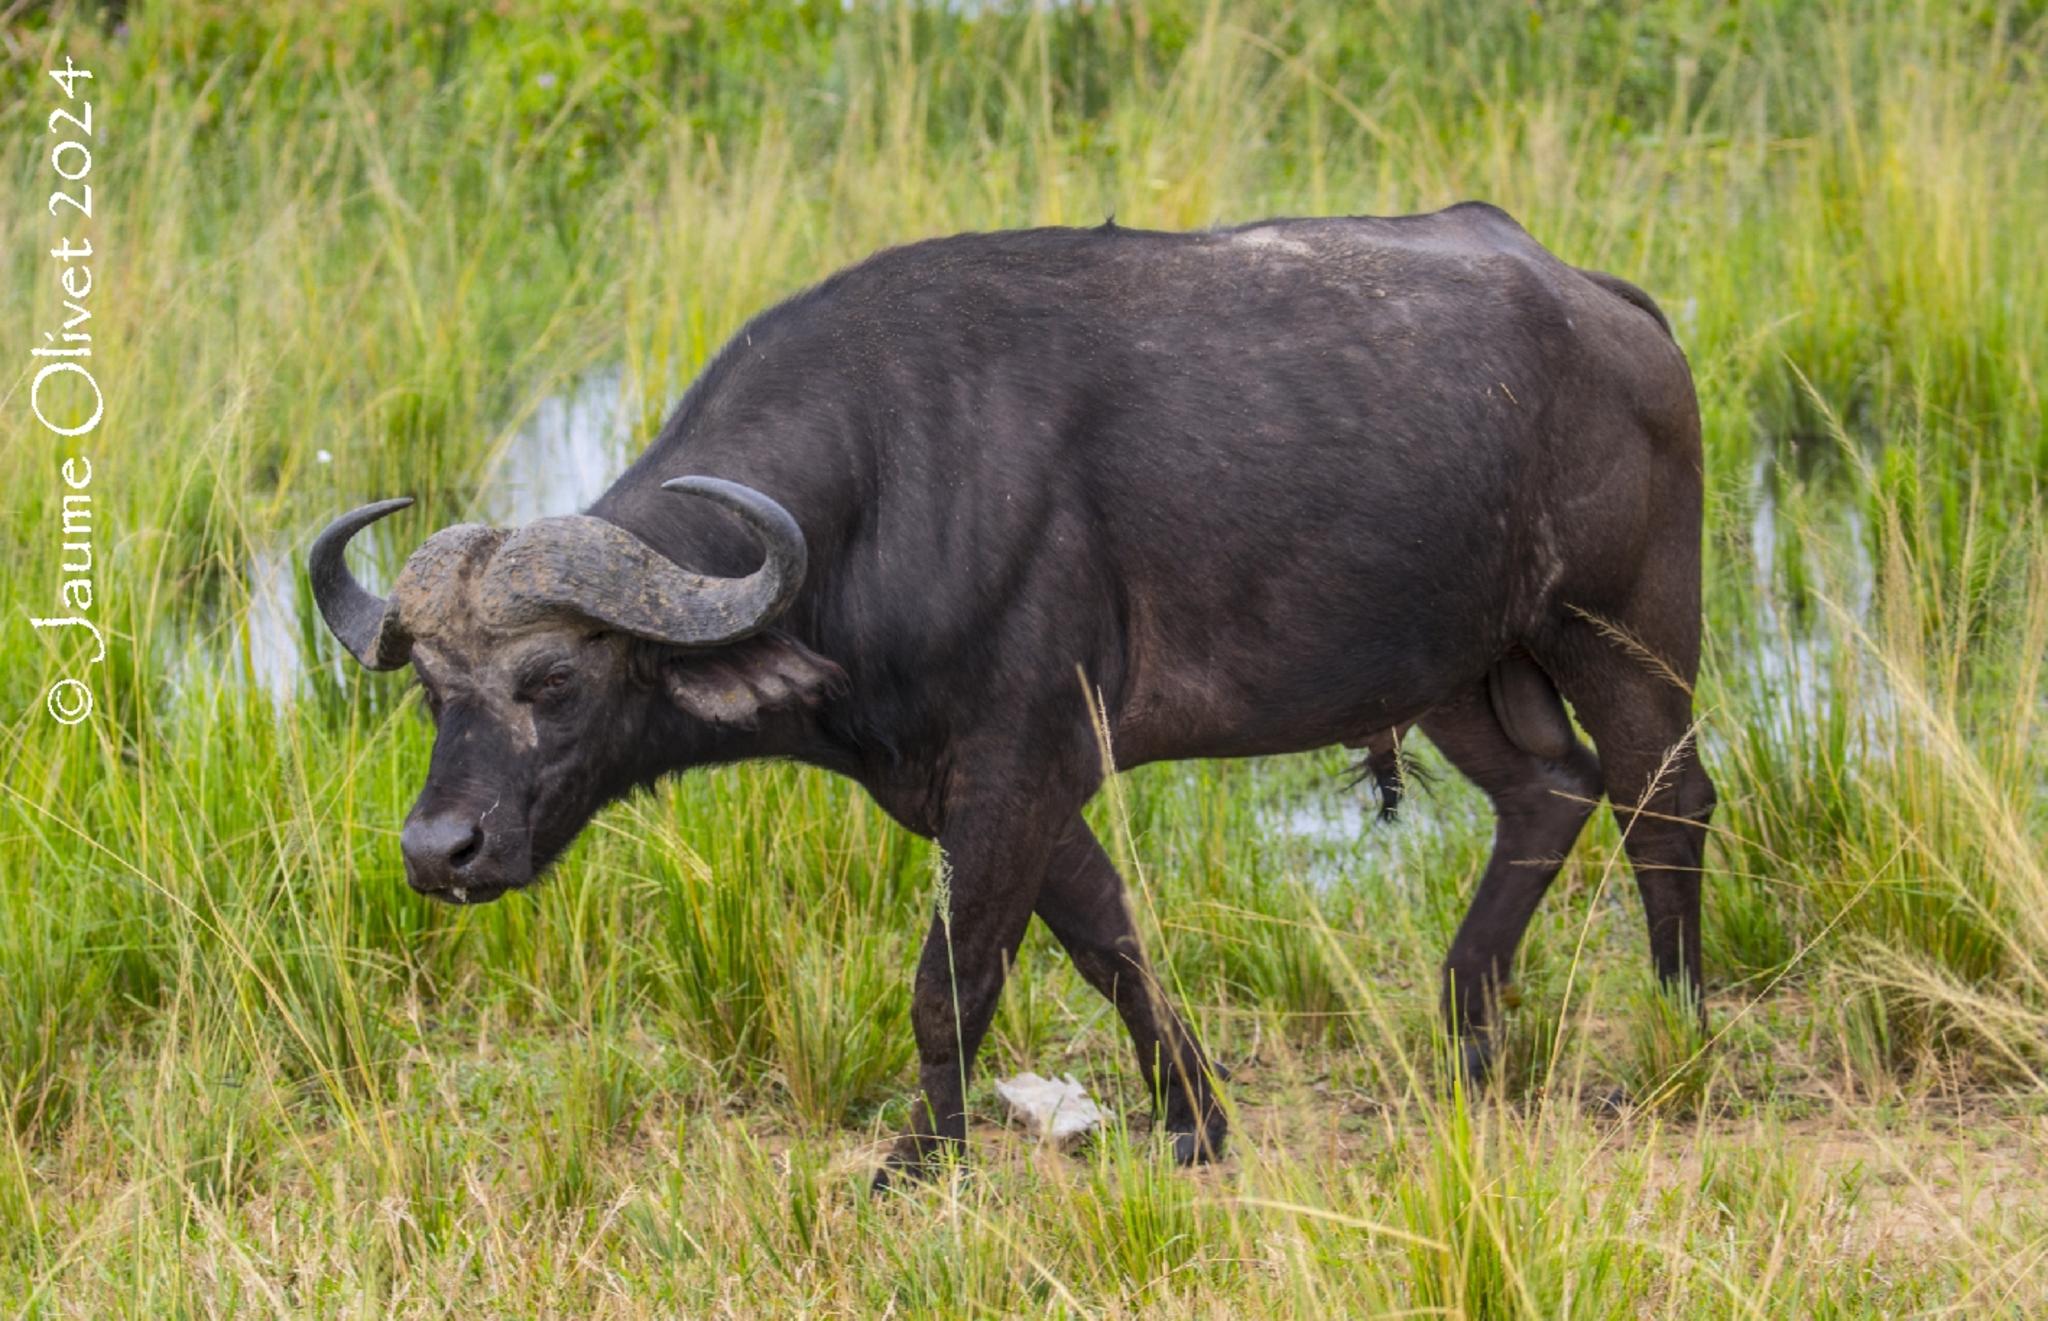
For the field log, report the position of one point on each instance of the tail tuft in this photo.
(1391, 770)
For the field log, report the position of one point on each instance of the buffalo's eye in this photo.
(550, 683)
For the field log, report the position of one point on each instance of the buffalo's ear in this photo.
(734, 685)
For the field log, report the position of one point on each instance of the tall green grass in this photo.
(243, 1069)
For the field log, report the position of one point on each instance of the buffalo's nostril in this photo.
(438, 847)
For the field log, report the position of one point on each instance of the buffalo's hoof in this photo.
(1474, 1063)
(1614, 1103)
(1199, 1148)
(913, 1161)
(896, 1176)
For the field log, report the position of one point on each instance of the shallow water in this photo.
(1327, 833)
(570, 450)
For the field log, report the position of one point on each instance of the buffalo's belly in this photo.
(1286, 672)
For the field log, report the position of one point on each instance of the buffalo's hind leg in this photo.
(1540, 804)
(1630, 685)
(1084, 904)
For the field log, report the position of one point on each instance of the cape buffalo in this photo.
(1251, 490)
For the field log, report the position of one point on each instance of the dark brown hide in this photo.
(1247, 491)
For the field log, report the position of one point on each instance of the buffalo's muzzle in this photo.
(442, 853)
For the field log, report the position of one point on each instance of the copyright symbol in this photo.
(69, 701)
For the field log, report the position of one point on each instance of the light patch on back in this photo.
(1270, 238)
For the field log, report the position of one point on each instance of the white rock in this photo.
(1057, 1109)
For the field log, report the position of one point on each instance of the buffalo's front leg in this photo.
(993, 874)
(1083, 902)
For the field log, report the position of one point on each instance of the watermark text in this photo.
(64, 395)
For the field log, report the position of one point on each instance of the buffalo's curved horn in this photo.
(768, 590)
(597, 569)
(360, 620)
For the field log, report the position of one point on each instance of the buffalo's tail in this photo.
(1390, 769)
